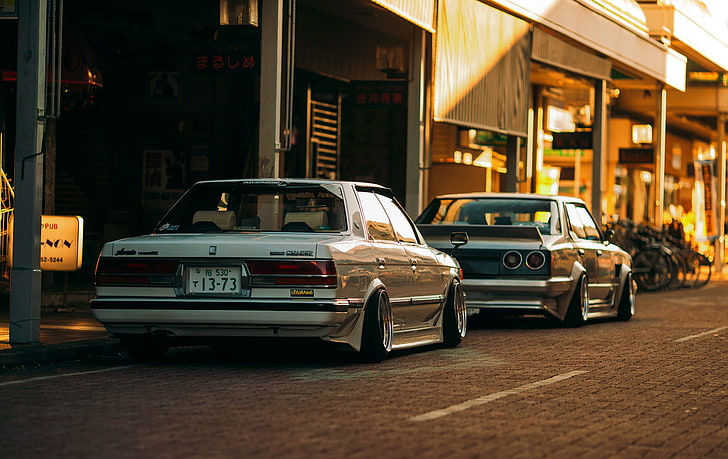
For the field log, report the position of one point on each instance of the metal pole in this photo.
(271, 51)
(661, 134)
(512, 153)
(720, 243)
(415, 123)
(599, 140)
(25, 277)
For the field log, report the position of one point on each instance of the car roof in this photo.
(484, 195)
(294, 181)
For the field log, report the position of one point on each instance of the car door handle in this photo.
(381, 262)
(599, 253)
(413, 264)
(581, 251)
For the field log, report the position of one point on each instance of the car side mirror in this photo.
(459, 238)
(608, 235)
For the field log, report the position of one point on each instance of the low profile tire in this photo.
(625, 310)
(376, 340)
(579, 307)
(455, 316)
(144, 348)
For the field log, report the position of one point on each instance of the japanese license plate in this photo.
(214, 279)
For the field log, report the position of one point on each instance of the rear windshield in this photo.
(540, 213)
(244, 207)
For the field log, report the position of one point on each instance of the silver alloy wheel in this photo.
(385, 320)
(632, 294)
(461, 310)
(584, 298)
(632, 286)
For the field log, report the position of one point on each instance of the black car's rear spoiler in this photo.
(475, 232)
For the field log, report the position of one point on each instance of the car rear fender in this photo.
(624, 272)
(351, 332)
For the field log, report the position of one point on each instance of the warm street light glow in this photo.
(641, 133)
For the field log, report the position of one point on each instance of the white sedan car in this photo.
(340, 261)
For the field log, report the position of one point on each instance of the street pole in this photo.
(25, 276)
(660, 138)
(718, 258)
(416, 160)
(271, 78)
(599, 148)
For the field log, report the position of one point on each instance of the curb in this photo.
(54, 300)
(38, 354)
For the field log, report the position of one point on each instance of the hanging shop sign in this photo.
(636, 155)
(704, 199)
(577, 140)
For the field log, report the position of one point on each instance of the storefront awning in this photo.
(420, 12)
(607, 28)
(550, 50)
(689, 27)
(482, 77)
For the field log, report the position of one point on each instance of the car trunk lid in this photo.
(246, 245)
(482, 256)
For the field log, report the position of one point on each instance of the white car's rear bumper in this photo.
(182, 317)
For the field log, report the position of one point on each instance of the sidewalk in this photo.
(68, 330)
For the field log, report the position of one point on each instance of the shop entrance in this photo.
(349, 131)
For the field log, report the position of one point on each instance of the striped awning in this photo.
(482, 71)
(420, 12)
(606, 28)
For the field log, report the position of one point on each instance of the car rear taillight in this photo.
(512, 260)
(111, 271)
(535, 260)
(292, 272)
(526, 263)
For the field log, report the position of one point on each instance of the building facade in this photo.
(427, 97)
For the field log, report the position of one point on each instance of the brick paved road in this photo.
(656, 386)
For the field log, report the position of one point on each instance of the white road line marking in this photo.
(491, 397)
(700, 335)
(78, 373)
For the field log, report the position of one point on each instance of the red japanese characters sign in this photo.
(380, 93)
(228, 58)
(233, 61)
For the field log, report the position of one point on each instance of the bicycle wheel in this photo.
(653, 269)
(704, 270)
(684, 271)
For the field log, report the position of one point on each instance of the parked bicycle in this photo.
(659, 260)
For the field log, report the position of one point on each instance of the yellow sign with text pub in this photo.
(61, 243)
